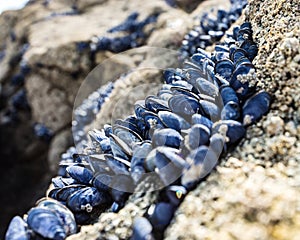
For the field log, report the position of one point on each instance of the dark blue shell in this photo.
(166, 137)
(183, 105)
(198, 135)
(17, 230)
(122, 186)
(162, 215)
(137, 161)
(172, 120)
(86, 199)
(80, 174)
(102, 182)
(64, 193)
(199, 119)
(202, 161)
(233, 130)
(207, 88)
(225, 68)
(231, 111)
(255, 107)
(46, 223)
(210, 110)
(62, 211)
(155, 104)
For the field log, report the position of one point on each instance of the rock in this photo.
(58, 145)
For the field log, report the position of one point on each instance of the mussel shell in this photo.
(139, 156)
(127, 135)
(17, 230)
(80, 174)
(172, 120)
(198, 135)
(142, 229)
(199, 119)
(184, 105)
(156, 104)
(228, 94)
(255, 107)
(232, 130)
(207, 88)
(62, 211)
(202, 160)
(162, 216)
(210, 110)
(231, 111)
(60, 181)
(87, 198)
(225, 68)
(102, 182)
(117, 165)
(46, 223)
(166, 137)
(119, 147)
(64, 193)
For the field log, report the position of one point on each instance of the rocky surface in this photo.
(254, 192)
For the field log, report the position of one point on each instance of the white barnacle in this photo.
(152, 122)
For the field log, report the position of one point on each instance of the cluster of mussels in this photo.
(178, 135)
(15, 92)
(212, 28)
(133, 35)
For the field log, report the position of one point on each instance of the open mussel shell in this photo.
(46, 223)
(62, 211)
(88, 198)
(255, 107)
(166, 137)
(17, 230)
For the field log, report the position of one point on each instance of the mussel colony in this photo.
(179, 135)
